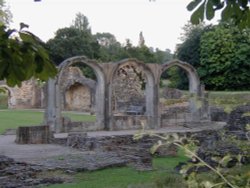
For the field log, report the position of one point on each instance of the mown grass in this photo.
(162, 175)
(3, 101)
(229, 100)
(11, 119)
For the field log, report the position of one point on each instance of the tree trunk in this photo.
(33, 135)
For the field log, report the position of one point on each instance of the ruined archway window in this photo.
(180, 107)
(174, 97)
(128, 89)
(4, 98)
(78, 85)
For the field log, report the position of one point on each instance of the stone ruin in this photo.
(118, 86)
(79, 92)
(111, 94)
(127, 89)
(29, 95)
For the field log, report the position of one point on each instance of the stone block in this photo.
(33, 135)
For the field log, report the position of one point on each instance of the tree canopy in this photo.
(224, 58)
(220, 53)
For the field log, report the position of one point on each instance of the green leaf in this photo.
(27, 38)
(224, 161)
(198, 15)
(191, 6)
(209, 10)
(155, 147)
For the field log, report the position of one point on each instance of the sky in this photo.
(161, 21)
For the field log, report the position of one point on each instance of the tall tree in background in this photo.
(110, 48)
(188, 51)
(81, 22)
(73, 41)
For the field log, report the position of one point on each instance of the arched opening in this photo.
(7, 99)
(132, 95)
(78, 88)
(179, 101)
(74, 90)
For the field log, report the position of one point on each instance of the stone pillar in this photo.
(50, 110)
(58, 108)
(205, 113)
(152, 104)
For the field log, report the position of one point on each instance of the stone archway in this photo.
(150, 91)
(53, 115)
(79, 91)
(11, 97)
(194, 85)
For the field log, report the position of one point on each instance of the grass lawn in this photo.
(11, 119)
(229, 99)
(162, 174)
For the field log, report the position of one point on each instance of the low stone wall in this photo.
(80, 126)
(126, 122)
(134, 152)
(175, 116)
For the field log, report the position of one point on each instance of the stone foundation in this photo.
(126, 122)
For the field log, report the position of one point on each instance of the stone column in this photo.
(50, 108)
(58, 109)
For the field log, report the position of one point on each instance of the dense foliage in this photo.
(188, 51)
(220, 53)
(225, 58)
(22, 54)
(22, 57)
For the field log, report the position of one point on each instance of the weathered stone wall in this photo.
(75, 126)
(78, 98)
(77, 91)
(178, 115)
(125, 122)
(29, 95)
(127, 88)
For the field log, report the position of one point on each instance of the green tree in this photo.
(224, 58)
(110, 48)
(81, 22)
(163, 56)
(188, 51)
(73, 41)
(69, 42)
